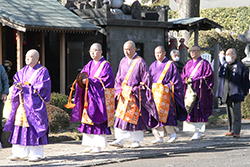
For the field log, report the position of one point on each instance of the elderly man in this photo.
(233, 86)
(91, 103)
(135, 106)
(167, 78)
(28, 119)
(175, 55)
(197, 75)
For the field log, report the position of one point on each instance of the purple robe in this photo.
(37, 132)
(140, 73)
(174, 76)
(96, 99)
(204, 95)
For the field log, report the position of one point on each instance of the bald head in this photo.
(129, 49)
(96, 51)
(195, 52)
(160, 53)
(32, 57)
(96, 46)
(161, 48)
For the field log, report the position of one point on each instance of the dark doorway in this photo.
(75, 60)
(140, 49)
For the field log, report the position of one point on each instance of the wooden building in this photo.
(40, 25)
(63, 36)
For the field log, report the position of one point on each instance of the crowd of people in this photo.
(138, 98)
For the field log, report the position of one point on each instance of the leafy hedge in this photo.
(225, 40)
(60, 100)
(233, 19)
(59, 117)
(245, 107)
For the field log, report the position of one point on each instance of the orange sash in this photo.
(127, 109)
(162, 95)
(109, 100)
(110, 103)
(21, 118)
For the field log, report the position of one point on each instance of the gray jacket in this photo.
(4, 82)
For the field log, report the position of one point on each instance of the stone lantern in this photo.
(246, 39)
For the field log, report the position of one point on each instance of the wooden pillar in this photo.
(62, 63)
(166, 46)
(1, 44)
(19, 49)
(196, 36)
(42, 58)
(216, 60)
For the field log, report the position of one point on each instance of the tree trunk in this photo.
(186, 9)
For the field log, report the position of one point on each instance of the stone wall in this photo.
(150, 37)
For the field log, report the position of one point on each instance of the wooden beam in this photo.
(13, 25)
(216, 73)
(42, 58)
(1, 44)
(19, 49)
(62, 64)
(196, 36)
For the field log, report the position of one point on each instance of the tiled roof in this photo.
(192, 23)
(41, 15)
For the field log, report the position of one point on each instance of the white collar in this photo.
(97, 61)
(159, 62)
(129, 60)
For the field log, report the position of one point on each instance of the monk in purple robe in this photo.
(134, 81)
(202, 80)
(28, 119)
(172, 79)
(95, 130)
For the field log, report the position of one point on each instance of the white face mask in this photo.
(176, 58)
(229, 59)
(221, 58)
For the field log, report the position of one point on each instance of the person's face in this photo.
(159, 54)
(95, 53)
(176, 55)
(128, 50)
(195, 52)
(221, 53)
(31, 59)
(230, 53)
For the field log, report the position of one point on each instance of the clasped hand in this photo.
(19, 85)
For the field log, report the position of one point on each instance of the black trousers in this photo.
(234, 115)
(1, 117)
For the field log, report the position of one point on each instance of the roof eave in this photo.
(24, 28)
(200, 24)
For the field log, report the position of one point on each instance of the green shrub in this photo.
(58, 119)
(60, 100)
(225, 40)
(233, 19)
(245, 107)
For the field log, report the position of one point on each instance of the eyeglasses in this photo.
(92, 51)
(194, 50)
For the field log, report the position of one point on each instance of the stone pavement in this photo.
(70, 153)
